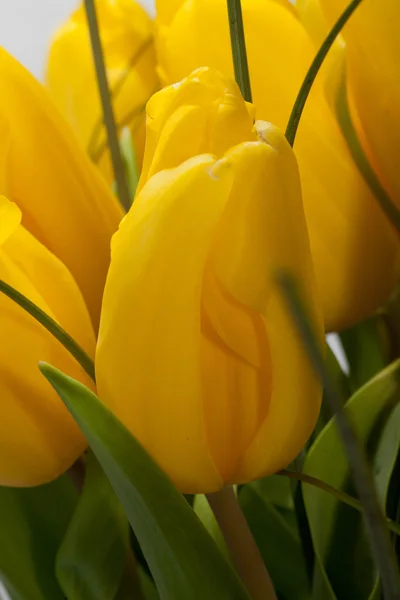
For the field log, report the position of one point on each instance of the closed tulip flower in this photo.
(197, 354)
(373, 54)
(127, 36)
(354, 248)
(38, 438)
(65, 203)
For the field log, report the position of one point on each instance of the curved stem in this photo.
(52, 327)
(338, 494)
(312, 72)
(243, 549)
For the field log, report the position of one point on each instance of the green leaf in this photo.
(268, 507)
(203, 510)
(367, 350)
(344, 560)
(33, 522)
(183, 558)
(93, 555)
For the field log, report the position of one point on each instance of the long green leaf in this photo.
(93, 555)
(183, 558)
(33, 522)
(374, 520)
(338, 535)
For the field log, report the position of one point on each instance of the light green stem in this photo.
(244, 552)
(338, 494)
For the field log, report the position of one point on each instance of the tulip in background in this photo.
(63, 200)
(38, 438)
(127, 37)
(192, 317)
(373, 52)
(355, 249)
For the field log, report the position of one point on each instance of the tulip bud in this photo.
(39, 439)
(65, 203)
(373, 54)
(127, 37)
(355, 250)
(197, 354)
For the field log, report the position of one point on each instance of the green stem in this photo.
(312, 72)
(240, 542)
(374, 518)
(239, 52)
(52, 327)
(108, 112)
(338, 494)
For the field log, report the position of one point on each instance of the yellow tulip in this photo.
(355, 250)
(65, 203)
(373, 54)
(38, 438)
(197, 354)
(127, 36)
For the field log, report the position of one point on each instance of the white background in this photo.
(26, 27)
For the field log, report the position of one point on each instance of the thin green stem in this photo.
(240, 542)
(239, 52)
(312, 72)
(374, 518)
(108, 112)
(115, 91)
(52, 327)
(338, 494)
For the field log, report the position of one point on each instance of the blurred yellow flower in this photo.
(39, 439)
(195, 342)
(127, 36)
(65, 203)
(373, 55)
(354, 248)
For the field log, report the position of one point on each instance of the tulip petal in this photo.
(64, 202)
(373, 49)
(10, 218)
(148, 361)
(38, 438)
(355, 250)
(262, 230)
(203, 113)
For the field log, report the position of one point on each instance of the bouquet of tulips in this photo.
(189, 206)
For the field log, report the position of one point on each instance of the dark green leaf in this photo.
(93, 555)
(33, 522)
(367, 350)
(268, 507)
(182, 556)
(338, 533)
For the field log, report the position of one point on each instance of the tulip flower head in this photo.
(356, 252)
(39, 439)
(197, 354)
(373, 54)
(127, 37)
(64, 201)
